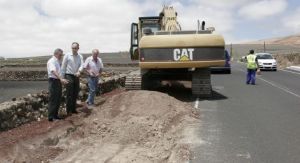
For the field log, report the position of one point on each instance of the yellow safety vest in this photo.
(251, 63)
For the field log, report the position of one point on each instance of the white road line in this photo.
(290, 71)
(276, 86)
(246, 155)
(284, 89)
(196, 103)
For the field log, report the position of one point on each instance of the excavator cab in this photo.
(146, 25)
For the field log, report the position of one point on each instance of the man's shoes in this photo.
(57, 118)
(54, 119)
(75, 112)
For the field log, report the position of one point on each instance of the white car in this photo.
(266, 61)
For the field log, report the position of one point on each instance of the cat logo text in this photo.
(185, 54)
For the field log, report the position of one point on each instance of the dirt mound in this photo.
(134, 126)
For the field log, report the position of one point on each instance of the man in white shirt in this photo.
(71, 66)
(94, 66)
(55, 88)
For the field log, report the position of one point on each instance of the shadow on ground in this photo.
(184, 94)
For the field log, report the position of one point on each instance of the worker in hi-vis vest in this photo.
(252, 67)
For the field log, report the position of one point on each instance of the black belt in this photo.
(93, 76)
(53, 79)
(71, 75)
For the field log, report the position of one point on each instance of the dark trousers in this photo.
(72, 90)
(251, 76)
(54, 97)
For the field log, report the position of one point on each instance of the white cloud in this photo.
(291, 22)
(219, 17)
(221, 3)
(262, 9)
(37, 27)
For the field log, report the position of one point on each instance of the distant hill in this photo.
(107, 58)
(287, 40)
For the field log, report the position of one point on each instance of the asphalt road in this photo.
(12, 89)
(246, 123)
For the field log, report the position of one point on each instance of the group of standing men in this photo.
(68, 73)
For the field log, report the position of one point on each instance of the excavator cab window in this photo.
(153, 27)
(134, 42)
(152, 23)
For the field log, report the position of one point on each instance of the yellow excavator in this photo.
(165, 52)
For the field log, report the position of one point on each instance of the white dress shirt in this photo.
(71, 64)
(53, 65)
(92, 66)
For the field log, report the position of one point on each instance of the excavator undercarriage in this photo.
(200, 80)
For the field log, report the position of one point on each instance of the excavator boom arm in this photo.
(169, 19)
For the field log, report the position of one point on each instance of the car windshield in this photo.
(264, 56)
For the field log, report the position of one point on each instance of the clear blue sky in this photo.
(37, 27)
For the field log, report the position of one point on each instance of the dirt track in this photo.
(135, 126)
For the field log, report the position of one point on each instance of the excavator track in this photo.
(201, 83)
(133, 82)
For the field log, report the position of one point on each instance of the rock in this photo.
(83, 86)
(28, 115)
(103, 127)
(95, 121)
(51, 141)
(80, 94)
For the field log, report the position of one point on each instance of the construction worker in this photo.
(252, 67)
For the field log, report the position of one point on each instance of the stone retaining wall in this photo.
(23, 75)
(33, 107)
(23, 110)
(33, 75)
